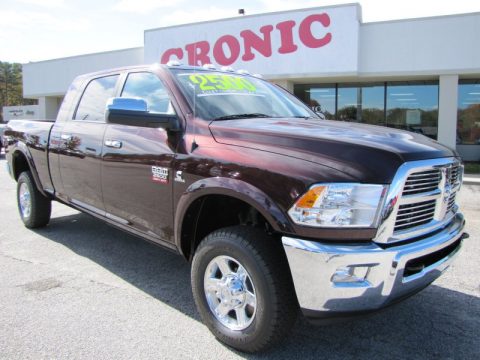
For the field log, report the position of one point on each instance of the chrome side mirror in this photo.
(129, 104)
(134, 112)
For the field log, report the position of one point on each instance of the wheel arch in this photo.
(190, 208)
(23, 161)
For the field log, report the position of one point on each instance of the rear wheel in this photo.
(243, 288)
(34, 208)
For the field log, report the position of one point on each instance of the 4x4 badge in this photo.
(179, 176)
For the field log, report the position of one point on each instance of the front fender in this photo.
(237, 189)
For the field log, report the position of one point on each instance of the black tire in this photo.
(40, 206)
(265, 261)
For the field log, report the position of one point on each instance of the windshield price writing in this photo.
(210, 82)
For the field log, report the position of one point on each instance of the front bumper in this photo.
(338, 279)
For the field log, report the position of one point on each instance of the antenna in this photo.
(194, 142)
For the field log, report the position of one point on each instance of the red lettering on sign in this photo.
(178, 52)
(198, 53)
(286, 36)
(305, 31)
(219, 53)
(253, 41)
(227, 48)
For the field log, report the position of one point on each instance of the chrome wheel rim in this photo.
(230, 293)
(25, 200)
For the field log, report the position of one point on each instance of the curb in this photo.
(471, 180)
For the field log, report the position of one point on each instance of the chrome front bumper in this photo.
(339, 279)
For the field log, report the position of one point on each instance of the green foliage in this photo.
(11, 91)
(472, 168)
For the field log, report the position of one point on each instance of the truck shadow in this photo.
(436, 323)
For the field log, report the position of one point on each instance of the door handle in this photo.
(66, 137)
(113, 143)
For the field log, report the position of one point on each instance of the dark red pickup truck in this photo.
(276, 209)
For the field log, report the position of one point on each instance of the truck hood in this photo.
(367, 153)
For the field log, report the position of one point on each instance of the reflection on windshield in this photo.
(222, 96)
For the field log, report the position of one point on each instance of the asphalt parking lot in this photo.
(81, 289)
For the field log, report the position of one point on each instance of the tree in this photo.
(11, 86)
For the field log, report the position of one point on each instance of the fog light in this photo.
(351, 276)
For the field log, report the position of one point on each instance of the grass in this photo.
(472, 168)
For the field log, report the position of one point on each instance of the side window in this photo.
(150, 88)
(94, 98)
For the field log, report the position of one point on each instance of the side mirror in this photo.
(134, 112)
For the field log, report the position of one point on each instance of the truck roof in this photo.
(170, 65)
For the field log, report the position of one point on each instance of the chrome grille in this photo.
(419, 186)
(453, 174)
(422, 182)
(421, 199)
(451, 202)
(412, 215)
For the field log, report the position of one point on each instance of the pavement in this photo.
(81, 289)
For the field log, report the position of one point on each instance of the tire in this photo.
(255, 323)
(35, 209)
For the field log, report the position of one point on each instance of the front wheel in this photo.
(243, 289)
(34, 208)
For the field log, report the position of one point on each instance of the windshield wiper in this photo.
(242, 116)
(303, 117)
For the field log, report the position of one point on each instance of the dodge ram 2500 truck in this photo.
(275, 209)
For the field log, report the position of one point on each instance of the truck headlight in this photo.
(337, 205)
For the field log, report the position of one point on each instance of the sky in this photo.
(35, 30)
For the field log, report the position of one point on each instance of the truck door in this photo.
(80, 152)
(136, 174)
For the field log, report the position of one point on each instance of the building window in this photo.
(468, 119)
(361, 103)
(413, 106)
(320, 98)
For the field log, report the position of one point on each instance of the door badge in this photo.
(160, 174)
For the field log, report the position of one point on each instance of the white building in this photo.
(422, 74)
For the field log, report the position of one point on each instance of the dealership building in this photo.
(420, 75)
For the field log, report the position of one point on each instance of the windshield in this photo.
(218, 95)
